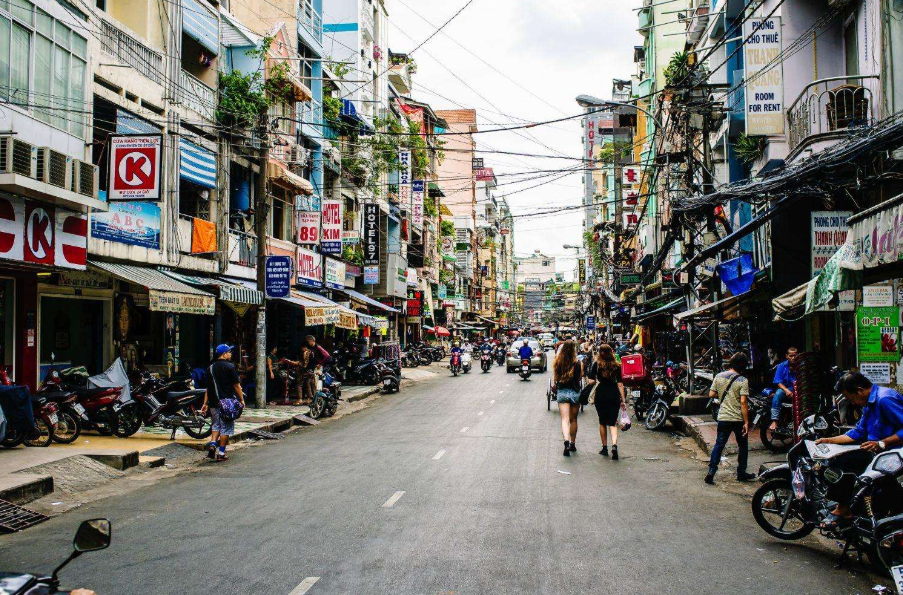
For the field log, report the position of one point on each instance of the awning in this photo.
(790, 305)
(197, 164)
(349, 112)
(667, 308)
(165, 293)
(318, 310)
(369, 301)
(280, 174)
(721, 305)
(228, 292)
(489, 320)
(200, 24)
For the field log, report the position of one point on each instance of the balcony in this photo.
(310, 20)
(368, 24)
(644, 21)
(400, 77)
(242, 248)
(197, 96)
(697, 23)
(128, 50)
(820, 111)
(312, 119)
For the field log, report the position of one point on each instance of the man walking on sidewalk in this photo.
(733, 416)
(224, 384)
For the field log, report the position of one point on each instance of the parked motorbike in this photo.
(455, 364)
(485, 361)
(793, 501)
(97, 408)
(351, 370)
(169, 404)
(409, 359)
(92, 535)
(662, 397)
(525, 369)
(326, 400)
(389, 378)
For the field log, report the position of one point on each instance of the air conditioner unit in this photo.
(54, 168)
(298, 155)
(84, 178)
(18, 157)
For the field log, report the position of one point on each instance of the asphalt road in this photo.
(454, 486)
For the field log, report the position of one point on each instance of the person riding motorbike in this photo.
(525, 351)
(467, 347)
(879, 428)
(485, 347)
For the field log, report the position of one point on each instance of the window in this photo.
(851, 48)
(43, 66)
(194, 200)
(282, 213)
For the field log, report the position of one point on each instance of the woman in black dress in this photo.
(609, 397)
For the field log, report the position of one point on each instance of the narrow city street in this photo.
(454, 486)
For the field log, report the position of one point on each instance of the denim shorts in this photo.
(566, 395)
(224, 427)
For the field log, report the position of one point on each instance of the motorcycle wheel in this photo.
(454, 372)
(127, 421)
(43, 436)
(768, 505)
(12, 439)
(775, 443)
(425, 359)
(206, 423)
(887, 557)
(317, 407)
(371, 377)
(657, 417)
(67, 428)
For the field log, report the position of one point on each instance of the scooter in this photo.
(500, 356)
(485, 361)
(390, 381)
(466, 362)
(525, 369)
(165, 404)
(455, 364)
(92, 535)
(329, 392)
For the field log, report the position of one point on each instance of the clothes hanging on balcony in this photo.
(203, 236)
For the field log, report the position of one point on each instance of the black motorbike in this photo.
(794, 500)
(485, 361)
(329, 393)
(500, 355)
(92, 535)
(355, 370)
(660, 410)
(169, 404)
(389, 377)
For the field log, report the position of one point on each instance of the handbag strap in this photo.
(729, 385)
(213, 379)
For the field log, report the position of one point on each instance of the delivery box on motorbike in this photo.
(633, 367)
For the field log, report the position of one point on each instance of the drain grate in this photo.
(15, 518)
(266, 435)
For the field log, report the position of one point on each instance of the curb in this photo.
(361, 396)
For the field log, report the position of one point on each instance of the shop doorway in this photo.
(72, 330)
(7, 323)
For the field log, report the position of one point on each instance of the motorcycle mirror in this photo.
(93, 535)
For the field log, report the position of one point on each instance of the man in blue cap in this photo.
(224, 384)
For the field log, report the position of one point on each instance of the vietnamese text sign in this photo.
(371, 234)
(278, 273)
(181, 303)
(877, 334)
(878, 373)
(308, 227)
(132, 223)
(371, 275)
(331, 234)
(404, 179)
(878, 295)
(135, 167)
(476, 163)
(829, 232)
(764, 88)
(335, 274)
(484, 175)
(310, 268)
(417, 192)
(590, 323)
(351, 236)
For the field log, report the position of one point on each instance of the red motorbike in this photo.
(94, 408)
(455, 364)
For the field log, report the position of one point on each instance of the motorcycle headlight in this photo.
(889, 463)
(191, 384)
(821, 424)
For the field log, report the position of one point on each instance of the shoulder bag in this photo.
(230, 407)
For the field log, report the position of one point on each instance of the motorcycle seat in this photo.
(56, 396)
(185, 393)
(84, 391)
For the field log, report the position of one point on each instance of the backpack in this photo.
(230, 408)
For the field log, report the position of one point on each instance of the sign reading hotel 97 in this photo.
(371, 234)
(135, 167)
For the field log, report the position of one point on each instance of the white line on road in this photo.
(438, 455)
(305, 585)
(395, 498)
(492, 402)
(464, 429)
(501, 391)
(480, 413)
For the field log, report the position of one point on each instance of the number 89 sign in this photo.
(308, 227)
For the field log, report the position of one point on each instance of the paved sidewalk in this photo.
(703, 431)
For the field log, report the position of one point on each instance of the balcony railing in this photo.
(242, 248)
(820, 109)
(128, 50)
(312, 119)
(197, 96)
(310, 19)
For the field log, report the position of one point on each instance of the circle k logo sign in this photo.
(135, 167)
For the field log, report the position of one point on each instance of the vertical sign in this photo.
(334, 274)
(581, 271)
(829, 232)
(310, 268)
(331, 236)
(764, 88)
(370, 242)
(135, 167)
(418, 190)
(278, 274)
(404, 179)
(308, 227)
(591, 121)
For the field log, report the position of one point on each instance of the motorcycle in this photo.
(485, 361)
(389, 379)
(660, 409)
(525, 369)
(326, 400)
(500, 356)
(409, 359)
(168, 404)
(793, 500)
(455, 364)
(466, 362)
(353, 370)
(92, 535)
(97, 408)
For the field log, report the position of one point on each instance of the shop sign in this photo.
(135, 167)
(308, 227)
(590, 323)
(84, 280)
(371, 234)
(630, 198)
(317, 316)
(484, 174)
(829, 232)
(331, 238)
(631, 278)
(878, 295)
(878, 373)
(371, 275)
(335, 274)
(347, 320)
(418, 189)
(181, 303)
(131, 223)
(630, 176)
(631, 219)
(878, 334)
(411, 277)
(36, 233)
(763, 78)
(310, 268)
(581, 271)
(668, 279)
(404, 179)
(351, 237)
(353, 270)
(278, 272)
(442, 292)
(414, 303)
(476, 163)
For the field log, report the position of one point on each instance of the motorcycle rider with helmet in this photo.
(525, 351)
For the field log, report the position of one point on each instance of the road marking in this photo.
(395, 498)
(438, 455)
(464, 429)
(480, 413)
(501, 391)
(492, 402)
(305, 585)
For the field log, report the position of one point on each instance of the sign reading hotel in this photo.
(135, 167)
(310, 268)
(763, 76)
(331, 239)
(371, 234)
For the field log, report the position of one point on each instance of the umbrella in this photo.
(441, 331)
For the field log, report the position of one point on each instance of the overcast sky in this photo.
(554, 50)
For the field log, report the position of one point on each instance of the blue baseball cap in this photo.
(223, 348)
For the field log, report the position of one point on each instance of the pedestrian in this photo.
(567, 375)
(733, 416)
(610, 397)
(224, 384)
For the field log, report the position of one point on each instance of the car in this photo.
(547, 340)
(538, 362)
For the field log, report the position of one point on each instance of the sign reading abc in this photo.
(135, 163)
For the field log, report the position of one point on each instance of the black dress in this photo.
(608, 397)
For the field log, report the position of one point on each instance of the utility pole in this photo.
(261, 215)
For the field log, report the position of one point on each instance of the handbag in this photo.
(230, 408)
(624, 420)
(587, 395)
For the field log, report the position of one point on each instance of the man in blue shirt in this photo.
(785, 379)
(879, 428)
(525, 352)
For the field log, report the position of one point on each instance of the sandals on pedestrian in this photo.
(832, 522)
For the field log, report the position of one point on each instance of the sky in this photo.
(553, 51)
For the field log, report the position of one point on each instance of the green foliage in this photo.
(447, 277)
(749, 148)
(448, 228)
(430, 208)
(593, 248)
(353, 254)
(244, 97)
(678, 69)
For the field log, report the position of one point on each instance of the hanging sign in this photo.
(308, 227)
(581, 271)
(310, 268)
(590, 323)
(404, 179)
(443, 292)
(630, 176)
(371, 234)
(335, 274)
(37, 233)
(763, 76)
(331, 237)
(485, 174)
(135, 167)
(878, 295)
(476, 163)
(278, 274)
(371, 275)
(829, 232)
(132, 223)
(630, 198)
(418, 190)
(351, 237)
(878, 334)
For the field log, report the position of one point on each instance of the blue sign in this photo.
(132, 223)
(590, 323)
(278, 276)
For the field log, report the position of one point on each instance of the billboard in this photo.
(135, 164)
(763, 76)
(131, 223)
(331, 233)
